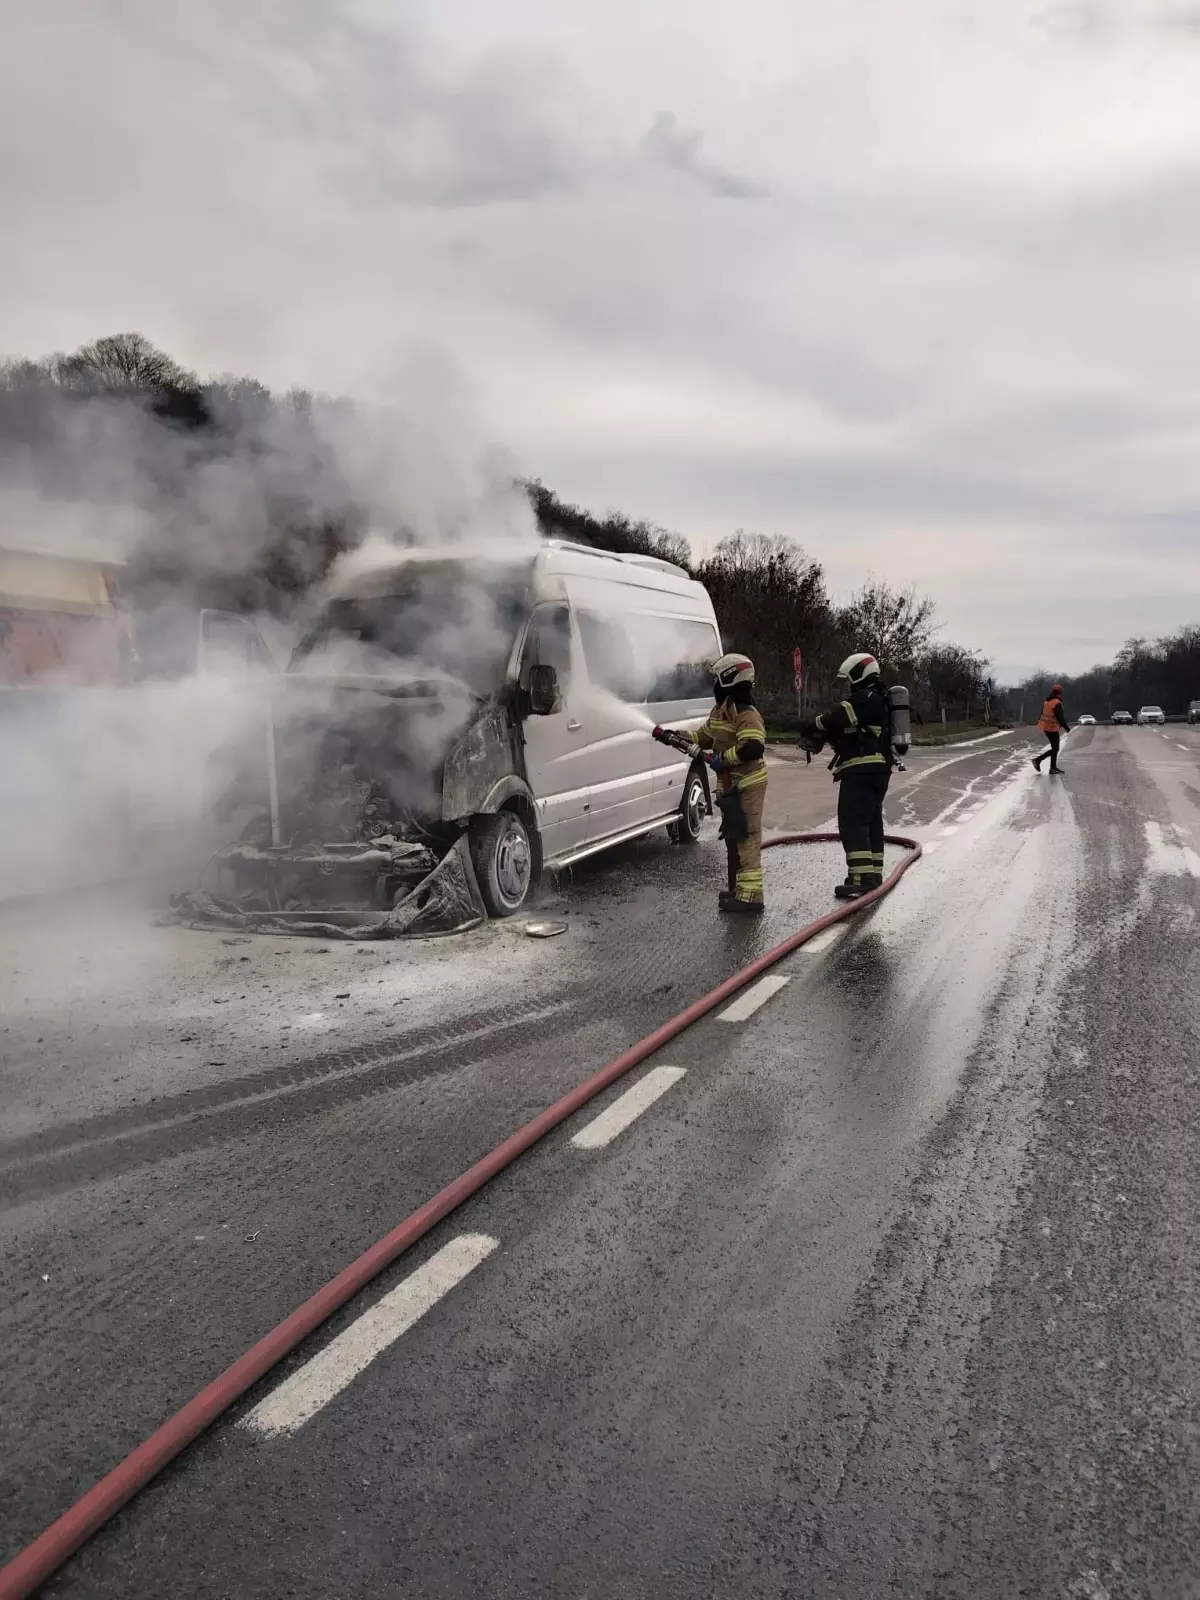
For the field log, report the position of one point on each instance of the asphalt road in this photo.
(892, 1289)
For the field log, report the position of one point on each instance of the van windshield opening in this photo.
(436, 620)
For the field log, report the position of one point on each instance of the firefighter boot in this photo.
(851, 889)
(730, 902)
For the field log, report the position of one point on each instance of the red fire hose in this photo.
(62, 1538)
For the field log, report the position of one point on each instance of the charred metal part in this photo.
(371, 813)
(444, 900)
(483, 762)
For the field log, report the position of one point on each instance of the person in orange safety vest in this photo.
(1053, 723)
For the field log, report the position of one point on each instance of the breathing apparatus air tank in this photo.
(901, 722)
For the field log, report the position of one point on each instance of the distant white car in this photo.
(1085, 721)
(1150, 714)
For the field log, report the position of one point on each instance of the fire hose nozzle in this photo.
(668, 736)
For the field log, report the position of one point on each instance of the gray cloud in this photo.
(959, 320)
(667, 144)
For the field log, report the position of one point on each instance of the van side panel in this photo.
(646, 648)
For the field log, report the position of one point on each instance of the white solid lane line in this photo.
(823, 940)
(320, 1380)
(756, 995)
(616, 1118)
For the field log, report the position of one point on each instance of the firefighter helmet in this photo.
(858, 668)
(731, 670)
(1056, 688)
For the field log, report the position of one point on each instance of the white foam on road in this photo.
(928, 849)
(1015, 760)
(616, 1118)
(322, 1379)
(756, 995)
(1167, 854)
(953, 828)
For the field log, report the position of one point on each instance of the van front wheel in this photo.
(504, 855)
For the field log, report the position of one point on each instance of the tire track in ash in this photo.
(105, 1146)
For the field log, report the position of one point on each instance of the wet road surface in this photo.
(888, 1287)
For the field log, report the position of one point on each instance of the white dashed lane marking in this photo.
(614, 1119)
(322, 1379)
(756, 995)
(822, 941)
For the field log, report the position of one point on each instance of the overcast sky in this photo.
(914, 284)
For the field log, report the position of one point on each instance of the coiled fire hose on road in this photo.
(89, 1514)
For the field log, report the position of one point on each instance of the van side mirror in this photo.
(543, 690)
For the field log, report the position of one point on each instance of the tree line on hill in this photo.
(1145, 672)
(245, 498)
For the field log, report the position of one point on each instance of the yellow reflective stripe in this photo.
(851, 713)
(862, 761)
(752, 780)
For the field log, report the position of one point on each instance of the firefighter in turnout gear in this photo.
(736, 735)
(859, 731)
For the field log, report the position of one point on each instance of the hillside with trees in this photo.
(1161, 672)
(242, 499)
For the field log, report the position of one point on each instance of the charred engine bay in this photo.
(350, 824)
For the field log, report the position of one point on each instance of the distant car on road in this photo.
(1150, 714)
(1194, 710)
(1122, 719)
(1085, 721)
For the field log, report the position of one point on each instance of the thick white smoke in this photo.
(98, 781)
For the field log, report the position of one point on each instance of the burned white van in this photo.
(453, 724)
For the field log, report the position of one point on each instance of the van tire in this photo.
(506, 855)
(692, 810)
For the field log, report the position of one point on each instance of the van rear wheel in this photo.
(505, 857)
(692, 810)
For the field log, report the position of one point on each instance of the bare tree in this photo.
(896, 625)
(769, 597)
(950, 675)
(121, 361)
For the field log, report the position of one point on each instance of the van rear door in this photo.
(680, 697)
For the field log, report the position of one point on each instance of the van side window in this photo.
(678, 656)
(644, 658)
(548, 644)
(608, 651)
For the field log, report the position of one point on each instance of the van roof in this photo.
(552, 555)
(561, 556)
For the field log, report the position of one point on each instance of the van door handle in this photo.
(573, 726)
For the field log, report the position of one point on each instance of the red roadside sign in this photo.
(798, 668)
